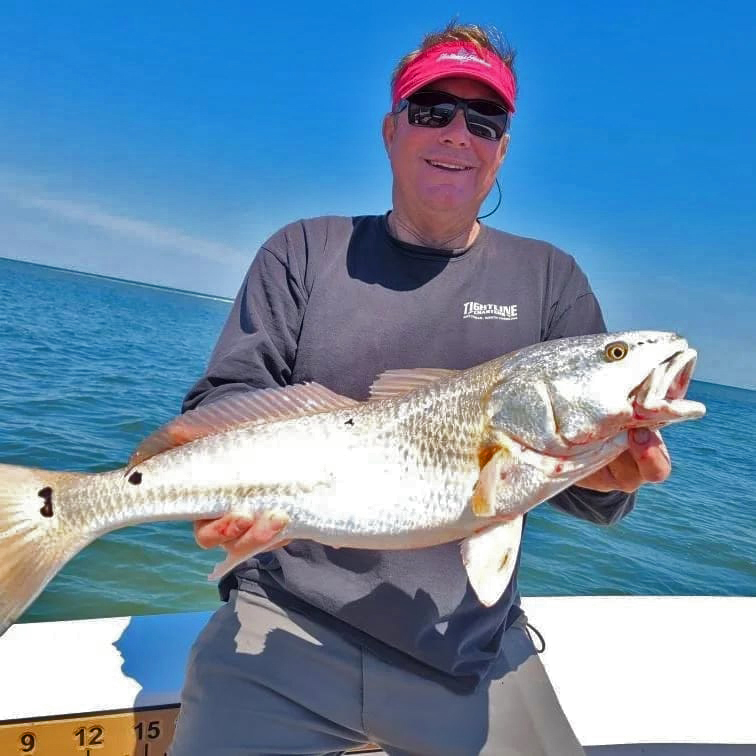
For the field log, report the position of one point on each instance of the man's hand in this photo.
(646, 461)
(238, 534)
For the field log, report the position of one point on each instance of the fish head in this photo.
(560, 395)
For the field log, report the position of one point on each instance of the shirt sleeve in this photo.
(258, 344)
(575, 311)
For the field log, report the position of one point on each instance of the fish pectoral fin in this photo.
(243, 408)
(490, 556)
(393, 383)
(494, 463)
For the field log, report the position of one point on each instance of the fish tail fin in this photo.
(35, 541)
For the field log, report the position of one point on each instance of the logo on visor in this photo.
(463, 56)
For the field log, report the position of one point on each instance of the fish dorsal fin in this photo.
(394, 383)
(246, 408)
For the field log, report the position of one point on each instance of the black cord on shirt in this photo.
(528, 628)
(498, 186)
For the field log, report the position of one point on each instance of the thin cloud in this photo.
(132, 228)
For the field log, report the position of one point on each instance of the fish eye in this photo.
(616, 351)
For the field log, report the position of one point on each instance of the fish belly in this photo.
(335, 486)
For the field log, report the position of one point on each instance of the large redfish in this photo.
(434, 456)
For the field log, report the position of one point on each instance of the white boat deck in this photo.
(636, 675)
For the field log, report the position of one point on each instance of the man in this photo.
(317, 649)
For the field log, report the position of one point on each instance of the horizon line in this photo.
(229, 300)
(132, 282)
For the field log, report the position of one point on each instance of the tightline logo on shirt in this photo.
(479, 311)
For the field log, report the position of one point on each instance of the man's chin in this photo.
(447, 199)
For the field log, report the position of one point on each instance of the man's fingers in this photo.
(229, 529)
(262, 532)
(220, 530)
(267, 526)
(625, 473)
(650, 455)
(645, 461)
(602, 480)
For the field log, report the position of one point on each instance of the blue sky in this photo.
(164, 142)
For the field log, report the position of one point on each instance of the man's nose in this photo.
(455, 132)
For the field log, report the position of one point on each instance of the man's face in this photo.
(420, 184)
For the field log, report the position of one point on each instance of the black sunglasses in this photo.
(436, 109)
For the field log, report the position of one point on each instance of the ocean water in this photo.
(92, 365)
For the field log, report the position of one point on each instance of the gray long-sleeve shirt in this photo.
(337, 301)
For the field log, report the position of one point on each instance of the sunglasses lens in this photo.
(433, 109)
(487, 119)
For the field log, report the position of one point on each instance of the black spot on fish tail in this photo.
(47, 509)
(350, 421)
(135, 478)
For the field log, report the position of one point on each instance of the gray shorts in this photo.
(264, 680)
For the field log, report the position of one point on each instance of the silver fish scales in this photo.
(434, 456)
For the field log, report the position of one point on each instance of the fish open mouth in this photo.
(659, 398)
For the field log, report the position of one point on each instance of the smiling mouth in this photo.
(659, 399)
(452, 167)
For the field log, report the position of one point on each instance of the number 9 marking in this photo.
(28, 742)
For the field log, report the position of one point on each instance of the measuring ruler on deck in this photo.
(133, 732)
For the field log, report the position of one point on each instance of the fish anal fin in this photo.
(393, 383)
(490, 557)
(494, 461)
(239, 409)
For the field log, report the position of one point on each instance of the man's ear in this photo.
(504, 148)
(388, 129)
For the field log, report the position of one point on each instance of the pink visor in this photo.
(462, 59)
